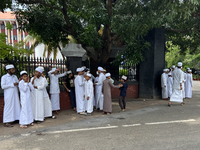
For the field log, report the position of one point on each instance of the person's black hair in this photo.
(24, 74)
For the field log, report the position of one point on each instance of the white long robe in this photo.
(89, 92)
(26, 114)
(96, 89)
(100, 98)
(188, 86)
(55, 89)
(11, 98)
(176, 89)
(164, 86)
(169, 85)
(37, 96)
(47, 102)
(79, 90)
(183, 84)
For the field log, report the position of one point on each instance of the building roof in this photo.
(7, 15)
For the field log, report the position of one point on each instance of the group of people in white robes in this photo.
(34, 103)
(176, 84)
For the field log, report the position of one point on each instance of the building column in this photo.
(6, 32)
(151, 68)
(24, 38)
(12, 35)
(17, 32)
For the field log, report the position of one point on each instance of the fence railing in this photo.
(30, 63)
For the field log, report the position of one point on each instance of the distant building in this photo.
(15, 35)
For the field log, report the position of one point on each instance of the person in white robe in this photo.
(26, 114)
(100, 97)
(96, 88)
(37, 95)
(79, 91)
(164, 85)
(169, 84)
(47, 101)
(54, 88)
(177, 95)
(9, 83)
(172, 71)
(188, 85)
(183, 85)
(89, 94)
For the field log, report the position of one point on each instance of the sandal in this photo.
(23, 127)
(104, 113)
(53, 117)
(8, 125)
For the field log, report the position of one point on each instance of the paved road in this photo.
(153, 128)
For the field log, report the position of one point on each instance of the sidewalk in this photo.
(71, 116)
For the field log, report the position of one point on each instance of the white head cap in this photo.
(164, 70)
(100, 68)
(173, 66)
(189, 70)
(79, 69)
(39, 70)
(124, 77)
(179, 64)
(108, 74)
(23, 72)
(9, 67)
(167, 69)
(69, 72)
(84, 67)
(53, 69)
(169, 73)
(89, 75)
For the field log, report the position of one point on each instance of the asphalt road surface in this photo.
(153, 128)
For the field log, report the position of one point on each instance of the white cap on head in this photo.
(84, 67)
(124, 77)
(9, 67)
(97, 73)
(79, 69)
(100, 68)
(189, 70)
(169, 73)
(23, 72)
(89, 75)
(164, 70)
(69, 72)
(108, 74)
(167, 69)
(173, 66)
(179, 64)
(53, 69)
(39, 70)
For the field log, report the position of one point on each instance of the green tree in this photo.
(127, 21)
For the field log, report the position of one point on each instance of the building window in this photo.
(2, 26)
(14, 37)
(14, 26)
(27, 47)
(22, 37)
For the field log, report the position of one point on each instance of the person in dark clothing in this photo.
(69, 86)
(122, 100)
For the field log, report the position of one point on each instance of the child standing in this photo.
(89, 94)
(26, 114)
(169, 84)
(122, 100)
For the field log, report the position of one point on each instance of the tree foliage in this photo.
(127, 21)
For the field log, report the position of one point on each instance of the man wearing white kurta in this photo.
(177, 95)
(89, 94)
(54, 88)
(164, 84)
(96, 89)
(9, 83)
(188, 85)
(47, 101)
(79, 90)
(183, 85)
(172, 71)
(37, 95)
(25, 87)
(100, 98)
(169, 84)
